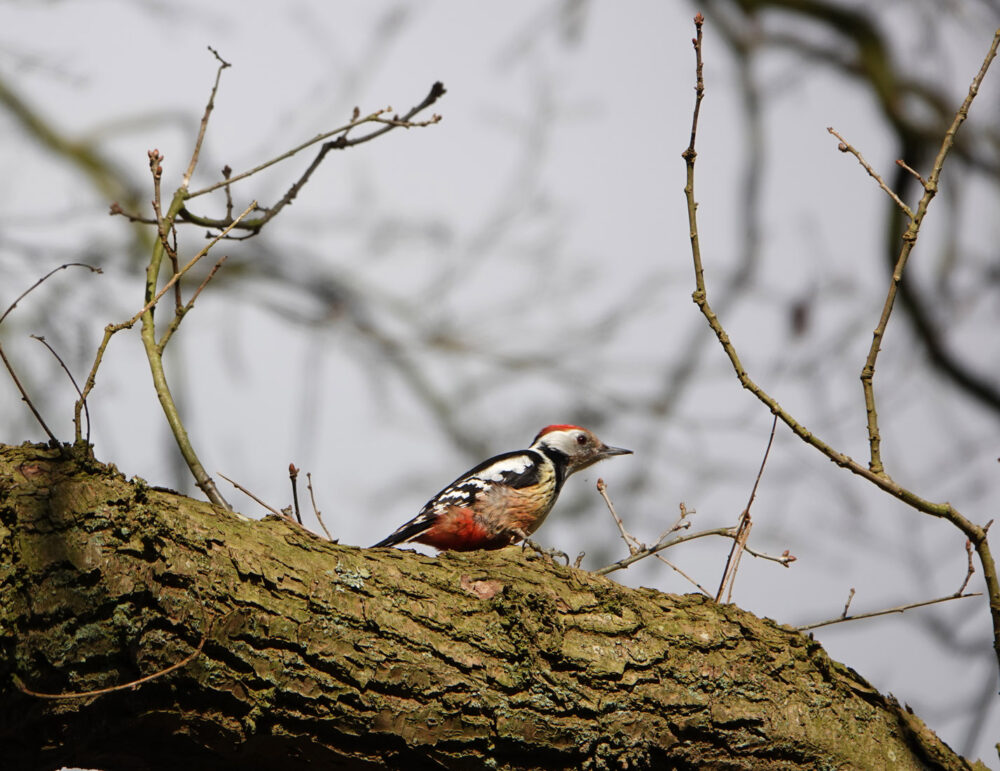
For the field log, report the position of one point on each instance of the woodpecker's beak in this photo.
(607, 452)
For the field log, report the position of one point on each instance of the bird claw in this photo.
(538, 551)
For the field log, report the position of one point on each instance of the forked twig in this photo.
(874, 472)
(111, 329)
(436, 92)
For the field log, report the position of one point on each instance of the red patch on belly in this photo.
(460, 530)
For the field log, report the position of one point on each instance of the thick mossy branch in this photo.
(361, 658)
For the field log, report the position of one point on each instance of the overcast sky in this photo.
(549, 197)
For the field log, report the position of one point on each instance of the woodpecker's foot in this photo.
(537, 551)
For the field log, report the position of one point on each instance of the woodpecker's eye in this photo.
(581, 439)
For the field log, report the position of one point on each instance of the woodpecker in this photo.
(505, 499)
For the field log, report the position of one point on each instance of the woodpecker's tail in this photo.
(407, 532)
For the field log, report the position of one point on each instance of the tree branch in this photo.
(975, 533)
(344, 657)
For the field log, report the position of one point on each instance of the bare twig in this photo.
(40, 281)
(846, 147)
(784, 559)
(243, 490)
(847, 605)
(902, 164)
(180, 313)
(682, 522)
(683, 575)
(69, 374)
(663, 543)
(111, 329)
(293, 475)
(733, 561)
(190, 264)
(874, 472)
(436, 92)
(319, 517)
(124, 686)
(970, 570)
(632, 544)
(887, 611)
(156, 169)
(223, 64)
(27, 399)
(909, 241)
(743, 528)
(10, 368)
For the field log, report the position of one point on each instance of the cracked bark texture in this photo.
(353, 658)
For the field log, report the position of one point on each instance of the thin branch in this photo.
(293, 475)
(27, 399)
(682, 522)
(898, 609)
(874, 473)
(785, 559)
(223, 64)
(124, 686)
(10, 368)
(116, 209)
(743, 528)
(847, 605)
(683, 575)
(733, 561)
(660, 545)
(190, 264)
(69, 374)
(156, 169)
(111, 329)
(846, 147)
(319, 517)
(175, 322)
(970, 570)
(290, 195)
(909, 241)
(436, 92)
(243, 490)
(40, 281)
(632, 544)
(902, 164)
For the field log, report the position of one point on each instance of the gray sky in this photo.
(547, 199)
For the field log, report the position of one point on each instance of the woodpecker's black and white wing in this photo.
(517, 469)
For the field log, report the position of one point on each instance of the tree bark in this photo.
(359, 658)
